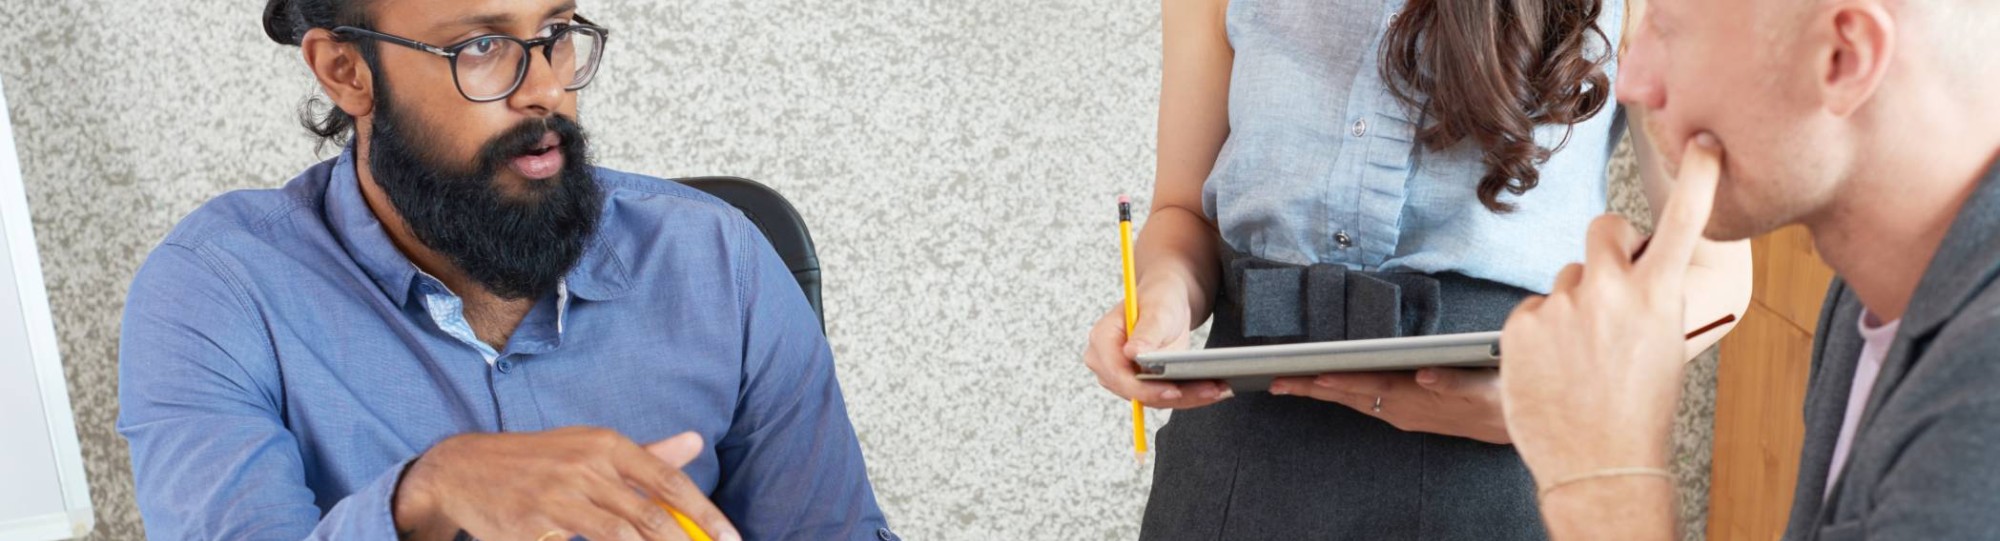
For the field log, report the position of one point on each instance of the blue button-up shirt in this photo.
(281, 361)
(1322, 166)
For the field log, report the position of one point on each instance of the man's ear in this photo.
(343, 74)
(1861, 40)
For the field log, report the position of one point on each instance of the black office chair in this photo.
(780, 223)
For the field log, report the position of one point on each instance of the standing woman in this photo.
(1350, 169)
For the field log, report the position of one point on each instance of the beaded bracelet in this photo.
(1605, 473)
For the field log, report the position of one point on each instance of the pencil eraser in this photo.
(1124, 199)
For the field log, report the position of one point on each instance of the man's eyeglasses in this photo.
(491, 67)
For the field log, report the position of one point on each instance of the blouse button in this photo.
(1344, 240)
(1361, 127)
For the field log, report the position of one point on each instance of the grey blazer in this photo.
(1925, 462)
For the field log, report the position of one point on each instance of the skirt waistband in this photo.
(1264, 301)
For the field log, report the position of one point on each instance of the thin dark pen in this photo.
(1726, 319)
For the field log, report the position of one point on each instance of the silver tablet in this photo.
(1467, 350)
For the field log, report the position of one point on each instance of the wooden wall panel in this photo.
(1790, 279)
(1760, 390)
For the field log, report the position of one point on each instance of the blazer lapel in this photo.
(1836, 351)
(1965, 263)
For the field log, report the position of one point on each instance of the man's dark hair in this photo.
(286, 22)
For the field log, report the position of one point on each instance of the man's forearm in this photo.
(1635, 508)
(415, 511)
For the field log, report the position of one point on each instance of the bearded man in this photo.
(460, 327)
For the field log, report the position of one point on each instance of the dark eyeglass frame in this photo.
(450, 52)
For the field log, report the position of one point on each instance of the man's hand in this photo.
(591, 482)
(1449, 401)
(1593, 371)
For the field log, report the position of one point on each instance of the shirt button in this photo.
(1344, 240)
(1361, 127)
(1392, 20)
(885, 535)
(504, 366)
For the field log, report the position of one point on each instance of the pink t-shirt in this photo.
(1875, 346)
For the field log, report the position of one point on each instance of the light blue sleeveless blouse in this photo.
(1321, 166)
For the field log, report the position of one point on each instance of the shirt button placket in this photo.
(511, 398)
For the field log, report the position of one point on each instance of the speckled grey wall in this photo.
(956, 160)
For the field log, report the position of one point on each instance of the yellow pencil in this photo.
(688, 526)
(1131, 315)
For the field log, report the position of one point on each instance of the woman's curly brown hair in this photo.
(1493, 70)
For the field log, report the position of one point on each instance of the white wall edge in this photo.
(19, 228)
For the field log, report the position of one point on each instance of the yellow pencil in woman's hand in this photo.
(1131, 315)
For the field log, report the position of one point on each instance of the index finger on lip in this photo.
(1687, 211)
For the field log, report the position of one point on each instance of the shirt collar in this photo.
(601, 274)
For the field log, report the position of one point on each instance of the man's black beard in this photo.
(517, 246)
